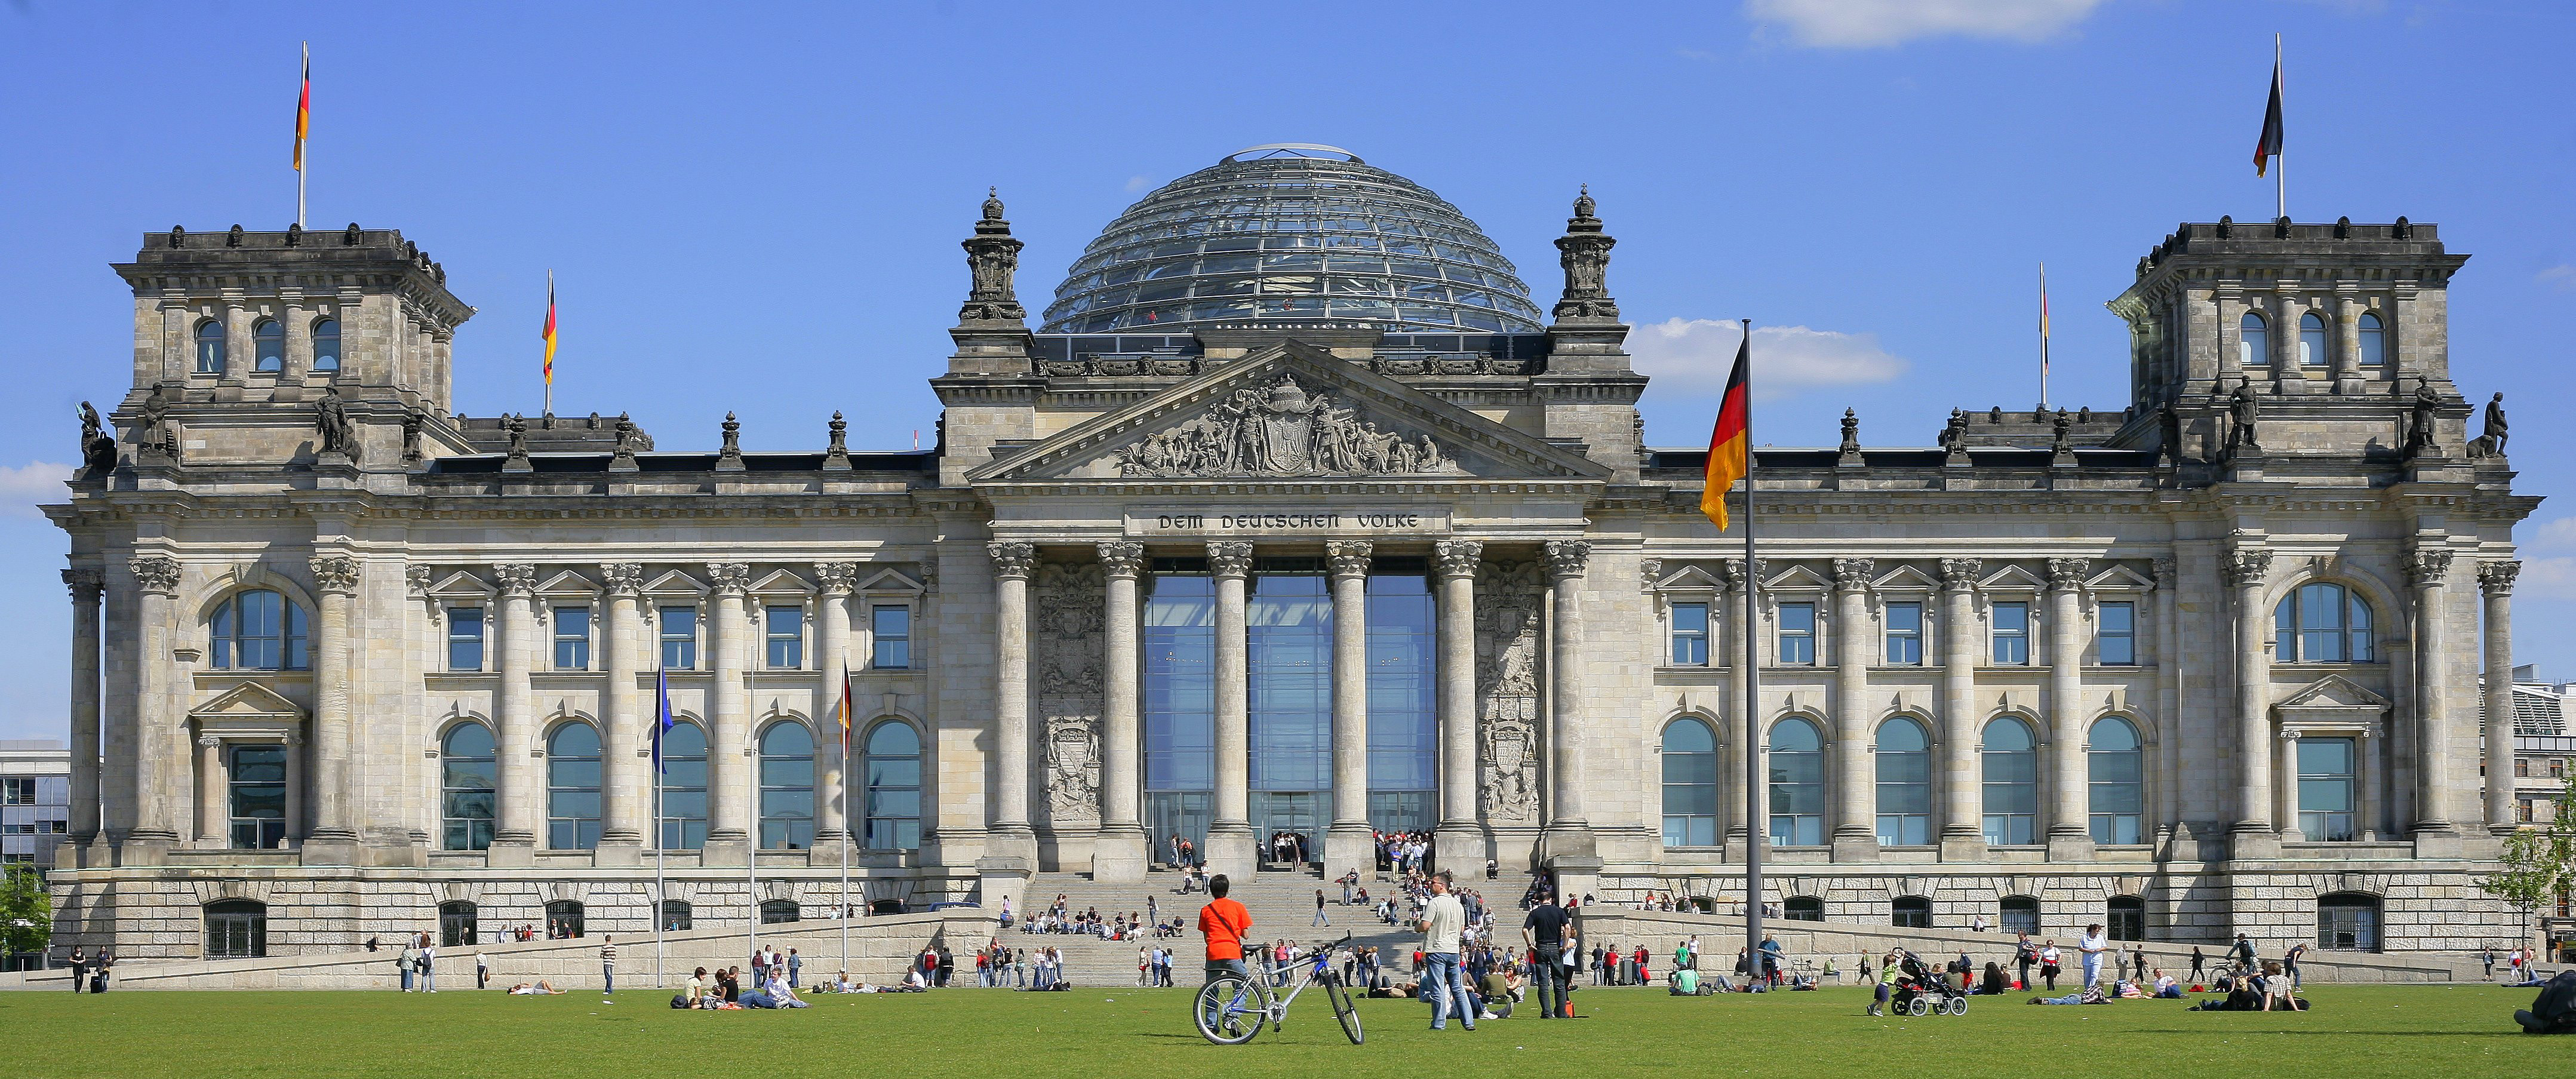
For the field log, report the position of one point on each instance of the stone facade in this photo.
(573, 566)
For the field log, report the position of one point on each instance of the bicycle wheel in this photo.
(1229, 1010)
(1340, 995)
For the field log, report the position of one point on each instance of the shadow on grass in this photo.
(2359, 1033)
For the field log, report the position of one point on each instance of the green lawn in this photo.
(2354, 1032)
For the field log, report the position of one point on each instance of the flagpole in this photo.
(844, 912)
(550, 343)
(305, 92)
(2043, 335)
(661, 708)
(2280, 177)
(1756, 830)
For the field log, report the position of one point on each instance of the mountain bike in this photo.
(1231, 1008)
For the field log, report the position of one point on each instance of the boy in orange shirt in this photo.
(1225, 923)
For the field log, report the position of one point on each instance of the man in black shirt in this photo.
(1546, 930)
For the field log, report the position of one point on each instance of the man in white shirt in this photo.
(2093, 945)
(1442, 919)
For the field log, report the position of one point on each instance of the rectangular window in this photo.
(786, 638)
(2012, 634)
(18, 791)
(679, 638)
(572, 638)
(2117, 645)
(1690, 634)
(1905, 634)
(1797, 632)
(2326, 767)
(890, 627)
(465, 638)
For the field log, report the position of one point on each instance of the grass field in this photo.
(2355, 1031)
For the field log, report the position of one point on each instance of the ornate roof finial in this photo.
(993, 203)
(1584, 251)
(1583, 204)
(992, 257)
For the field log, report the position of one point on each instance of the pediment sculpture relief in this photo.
(1283, 431)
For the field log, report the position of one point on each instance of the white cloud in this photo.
(1868, 24)
(2558, 535)
(1693, 356)
(2561, 277)
(2547, 578)
(23, 488)
(1138, 183)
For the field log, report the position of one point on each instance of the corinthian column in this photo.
(1012, 563)
(1346, 843)
(152, 733)
(1229, 844)
(2495, 579)
(1963, 836)
(336, 578)
(832, 753)
(514, 834)
(87, 586)
(622, 733)
(2069, 835)
(1855, 785)
(730, 788)
(2247, 568)
(2426, 569)
(1459, 840)
(1569, 833)
(1120, 853)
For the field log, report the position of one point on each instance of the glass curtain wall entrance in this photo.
(1179, 703)
(1402, 671)
(1289, 630)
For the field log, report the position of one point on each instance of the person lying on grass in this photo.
(541, 989)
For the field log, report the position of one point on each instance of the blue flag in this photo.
(662, 695)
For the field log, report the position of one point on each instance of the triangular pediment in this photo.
(1907, 579)
(2012, 579)
(2118, 578)
(249, 700)
(567, 583)
(675, 583)
(780, 582)
(1289, 412)
(2334, 691)
(460, 585)
(1798, 579)
(892, 581)
(1690, 578)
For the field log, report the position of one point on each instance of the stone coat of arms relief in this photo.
(1283, 431)
(1068, 601)
(1508, 644)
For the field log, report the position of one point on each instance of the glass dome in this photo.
(1292, 232)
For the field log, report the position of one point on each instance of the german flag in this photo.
(2267, 146)
(304, 109)
(1730, 453)
(549, 335)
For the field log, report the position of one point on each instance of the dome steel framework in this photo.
(1292, 232)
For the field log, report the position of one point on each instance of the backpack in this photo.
(2554, 1010)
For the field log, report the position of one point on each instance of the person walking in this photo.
(2290, 962)
(2048, 968)
(2093, 944)
(1224, 923)
(795, 968)
(607, 967)
(2024, 954)
(428, 965)
(80, 969)
(482, 972)
(1442, 919)
(2138, 962)
(1887, 971)
(98, 973)
(2244, 952)
(2487, 957)
(1544, 931)
(2197, 962)
(1319, 910)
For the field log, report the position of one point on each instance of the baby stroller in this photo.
(1922, 989)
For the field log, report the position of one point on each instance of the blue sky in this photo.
(756, 207)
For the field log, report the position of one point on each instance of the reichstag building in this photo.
(1295, 513)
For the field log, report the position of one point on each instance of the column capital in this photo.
(2496, 578)
(1123, 559)
(155, 573)
(2167, 572)
(1960, 574)
(518, 579)
(1349, 558)
(837, 578)
(2428, 567)
(729, 579)
(2246, 567)
(210, 741)
(86, 583)
(1852, 574)
(1566, 559)
(623, 579)
(1230, 558)
(1012, 560)
(1649, 571)
(416, 581)
(335, 573)
(2067, 574)
(1457, 557)
(1737, 578)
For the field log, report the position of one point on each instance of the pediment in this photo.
(892, 581)
(1690, 578)
(2333, 691)
(460, 585)
(568, 583)
(2012, 579)
(2118, 579)
(780, 582)
(1798, 579)
(1907, 579)
(675, 583)
(249, 700)
(1289, 412)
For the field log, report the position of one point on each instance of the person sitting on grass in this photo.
(541, 989)
(2166, 987)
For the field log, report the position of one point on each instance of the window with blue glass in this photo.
(1797, 784)
(2117, 789)
(1289, 644)
(258, 630)
(2115, 639)
(465, 638)
(2374, 341)
(1690, 784)
(786, 786)
(2313, 350)
(2326, 789)
(1796, 630)
(572, 638)
(1402, 681)
(2011, 761)
(1904, 784)
(2322, 623)
(684, 787)
(2253, 341)
(257, 796)
(890, 634)
(326, 345)
(210, 347)
(890, 796)
(468, 785)
(1690, 634)
(785, 634)
(2012, 634)
(679, 638)
(268, 345)
(1904, 634)
(572, 787)
(1179, 706)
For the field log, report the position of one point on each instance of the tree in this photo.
(26, 910)
(2539, 861)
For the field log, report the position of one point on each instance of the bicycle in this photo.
(1231, 1007)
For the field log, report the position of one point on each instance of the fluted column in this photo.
(88, 585)
(1230, 846)
(1012, 564)
(2495, 580)
(1569, 832)
(334, 743)
(2426, 570)
(1962, 790)
(2069, 831)
(1122, 850)
(832, 751)
(1346, 842)
(213, 823)
(1459, 842)
(1855, 786)
(623, 730)
(2247, 568)
(155, 738)
(730, 788)
(522, 782)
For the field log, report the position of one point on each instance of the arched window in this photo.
(210, 347)
(457, 924)
(2322, 623)
(2118, 795)
(572, 787)
(2348, 922)
(1912, 912)
(2127, 918)
(1803, 908)
(326, 345)
(236, 929)
(2020, 914)
(258, 630)
(2312, 341)
(1690, 784)
(786, 786)
(1904, 784)
(2011, 783)
(890, 802)
(2253, 342)
(563, 919)
(268, 345)
(778, 911)
(1797, 784)
(467, 769)
(684, 787)
(2374, 341)
(677, 915)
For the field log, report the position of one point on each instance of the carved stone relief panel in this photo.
(1068, 599)
(1508, 650)
(1282, 430)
